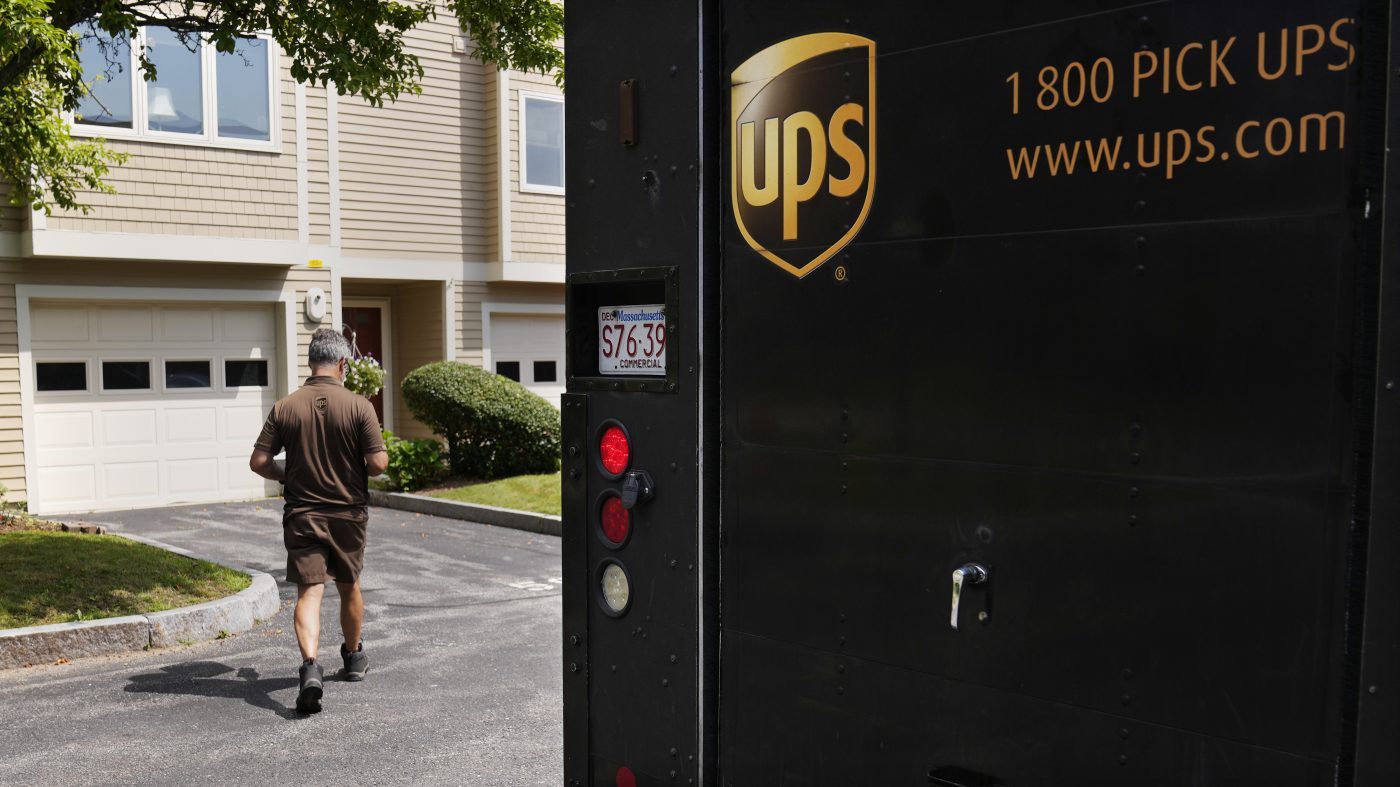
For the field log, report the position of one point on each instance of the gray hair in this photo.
(328, 348)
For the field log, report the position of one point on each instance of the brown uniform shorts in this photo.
(324, 546)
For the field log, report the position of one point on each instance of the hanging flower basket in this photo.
(364, 376)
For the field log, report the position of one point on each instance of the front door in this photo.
(364, 329)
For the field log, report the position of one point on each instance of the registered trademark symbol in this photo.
(840, 272)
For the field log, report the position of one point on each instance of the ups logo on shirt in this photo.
(802, 147)
(321, 404)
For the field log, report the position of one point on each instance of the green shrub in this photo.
(413, 464)
(494, 427)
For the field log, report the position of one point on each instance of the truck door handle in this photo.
(971, 574)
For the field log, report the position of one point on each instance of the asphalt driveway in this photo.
(464, 684)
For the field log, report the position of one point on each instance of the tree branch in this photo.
(22, 61)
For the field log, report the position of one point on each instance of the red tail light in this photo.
(625, 777)
(614, 450)
(616, 520)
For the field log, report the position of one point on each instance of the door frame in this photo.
(386, 340)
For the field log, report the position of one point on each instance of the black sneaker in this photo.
(309, 698)
(356, 664)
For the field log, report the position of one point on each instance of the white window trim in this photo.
(522, 97)
(140, 130)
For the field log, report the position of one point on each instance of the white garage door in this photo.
(529, 348)
(139, 405)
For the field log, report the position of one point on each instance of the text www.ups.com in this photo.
(1171, 150)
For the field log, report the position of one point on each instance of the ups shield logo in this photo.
(803, 147)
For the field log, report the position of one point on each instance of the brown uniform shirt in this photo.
(327, 431)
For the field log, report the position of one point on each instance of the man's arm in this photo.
(376, 462)
(262, 463)
(371, 441)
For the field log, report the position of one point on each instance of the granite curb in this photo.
(210, 620)
(543, 524)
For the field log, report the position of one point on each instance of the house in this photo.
(142, 344)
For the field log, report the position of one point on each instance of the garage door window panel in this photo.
(189, 375)
(53, 377)
(126, 376)
(509, 370)
(546, 372)
(245, 373)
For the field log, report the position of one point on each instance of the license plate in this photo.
(632, 340)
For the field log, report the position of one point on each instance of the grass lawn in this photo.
(55, 577)
(537, 493)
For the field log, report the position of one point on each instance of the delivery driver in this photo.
(333, 446)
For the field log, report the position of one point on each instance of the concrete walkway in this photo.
(464, 682)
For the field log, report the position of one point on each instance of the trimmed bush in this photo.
(413, 464)
(494, 427)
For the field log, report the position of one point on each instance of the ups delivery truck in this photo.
(982, 393)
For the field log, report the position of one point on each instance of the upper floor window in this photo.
(542, 143)
(199, 95)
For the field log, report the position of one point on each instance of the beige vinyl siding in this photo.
(417, 314)
(175, 189)
(470, 296)
(301, 280)
(122, 274)
(11, 424)
(536, 220)
(414, 181)
(11, 216)
(318, 181)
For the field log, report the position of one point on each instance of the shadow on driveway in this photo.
(201, 679)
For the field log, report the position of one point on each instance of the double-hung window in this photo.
(541, 143)
(199, 96)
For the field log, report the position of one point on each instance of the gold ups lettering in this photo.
(802, 150)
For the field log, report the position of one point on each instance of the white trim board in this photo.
(449, 320)
(405, 269)
(161, 248)
(444, 270)
(24, 293)
(530, 272)
(333, 161)
(503, 163)
(303, 177)
(490, 307)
